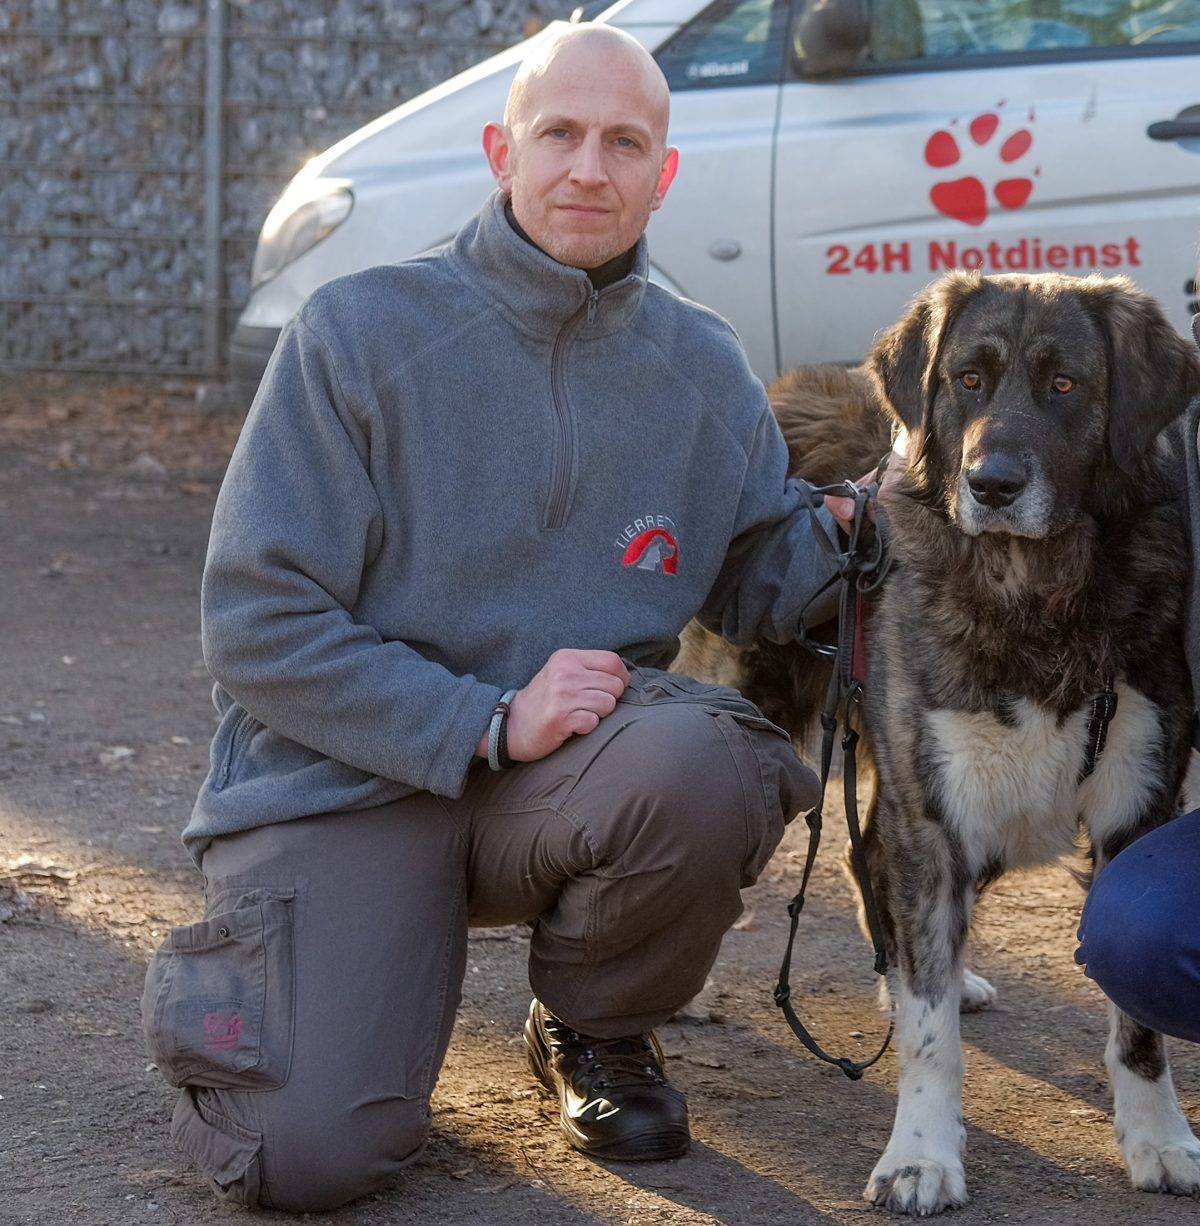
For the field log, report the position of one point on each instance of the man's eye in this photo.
(970, 380)
(1062, 384)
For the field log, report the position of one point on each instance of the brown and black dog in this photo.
(1040, 564)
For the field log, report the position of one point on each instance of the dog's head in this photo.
(1025, 395)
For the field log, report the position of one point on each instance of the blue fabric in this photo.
(1140, 931)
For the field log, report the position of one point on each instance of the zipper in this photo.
(564, 450)
(236, 735)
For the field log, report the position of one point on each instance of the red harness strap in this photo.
(860, 661)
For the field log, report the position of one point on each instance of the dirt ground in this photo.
(105, 497)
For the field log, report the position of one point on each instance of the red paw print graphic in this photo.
(966, 199)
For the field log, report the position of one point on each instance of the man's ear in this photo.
(497, 146)
(665, 176)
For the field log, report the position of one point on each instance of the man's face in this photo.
(583, 152)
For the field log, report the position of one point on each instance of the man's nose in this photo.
(588, 165)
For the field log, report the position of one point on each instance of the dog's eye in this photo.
(1062, 384)
(970, 380)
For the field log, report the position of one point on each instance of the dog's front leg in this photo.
(1160, 1151)
(921, 1171)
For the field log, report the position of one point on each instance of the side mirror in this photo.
(830, 37)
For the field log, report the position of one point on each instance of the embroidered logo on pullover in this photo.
(650, 543)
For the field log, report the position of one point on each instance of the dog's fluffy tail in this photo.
(835, 431)
(831, 420)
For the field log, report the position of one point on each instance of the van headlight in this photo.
(305, 214)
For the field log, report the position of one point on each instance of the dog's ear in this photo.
(1153, 371)
(904, 359)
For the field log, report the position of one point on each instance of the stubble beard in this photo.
(589, 251)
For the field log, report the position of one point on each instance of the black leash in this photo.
(861, 568)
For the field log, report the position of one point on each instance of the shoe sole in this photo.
(658, 1146)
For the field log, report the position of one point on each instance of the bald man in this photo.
(477, 497)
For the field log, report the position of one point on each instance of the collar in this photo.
(536, 293)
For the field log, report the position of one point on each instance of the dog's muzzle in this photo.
(1003, 493)
(998, 481)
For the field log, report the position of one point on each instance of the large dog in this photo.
(1040, 564)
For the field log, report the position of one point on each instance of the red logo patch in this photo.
(966, 199)
(654, 549)
(222, 1031)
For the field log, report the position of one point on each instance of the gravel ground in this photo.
(105, 496)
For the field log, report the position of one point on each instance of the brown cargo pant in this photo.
(306, 1017)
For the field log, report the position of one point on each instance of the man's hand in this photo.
(842, 509)
(573, 691)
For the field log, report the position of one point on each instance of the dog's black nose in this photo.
(996, 481)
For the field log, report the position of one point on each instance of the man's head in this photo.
(583, 148)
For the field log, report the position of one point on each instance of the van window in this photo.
(929, 33)
(732, 42)
(979, 27)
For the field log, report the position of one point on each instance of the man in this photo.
(477, 497)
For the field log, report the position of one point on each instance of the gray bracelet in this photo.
(498, 757)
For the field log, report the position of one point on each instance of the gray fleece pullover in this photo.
(454, 466)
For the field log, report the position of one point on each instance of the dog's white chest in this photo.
(1012, 791)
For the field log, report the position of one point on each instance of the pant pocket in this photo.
(227, 1154)
(218, 1004)
(651, 686)
(777, 785)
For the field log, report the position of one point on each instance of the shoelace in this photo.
(621, 1062)
(619, 1068)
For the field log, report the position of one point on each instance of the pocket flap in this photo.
(223, 1151)
(218, 1003)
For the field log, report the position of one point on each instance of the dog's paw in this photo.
(977, 993)
(701, 1008)
(1173, 1168)
(916, 1186)
(1160, 1151)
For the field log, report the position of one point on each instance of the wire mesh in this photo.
(106, 145)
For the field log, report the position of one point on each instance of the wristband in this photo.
(498, 757)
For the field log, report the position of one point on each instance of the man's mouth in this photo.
(584, 210)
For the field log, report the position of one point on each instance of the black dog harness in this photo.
(1104, 707)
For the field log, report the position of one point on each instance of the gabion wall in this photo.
(121, 249)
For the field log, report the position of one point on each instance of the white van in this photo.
(835, 156)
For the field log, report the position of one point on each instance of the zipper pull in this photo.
(593, 302)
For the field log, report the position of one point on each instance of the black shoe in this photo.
(616, 1101)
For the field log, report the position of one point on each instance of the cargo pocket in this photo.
(677, 687)
(218, 1004)
(776, 784)
(224, 1152)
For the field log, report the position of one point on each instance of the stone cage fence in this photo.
(142, 143)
